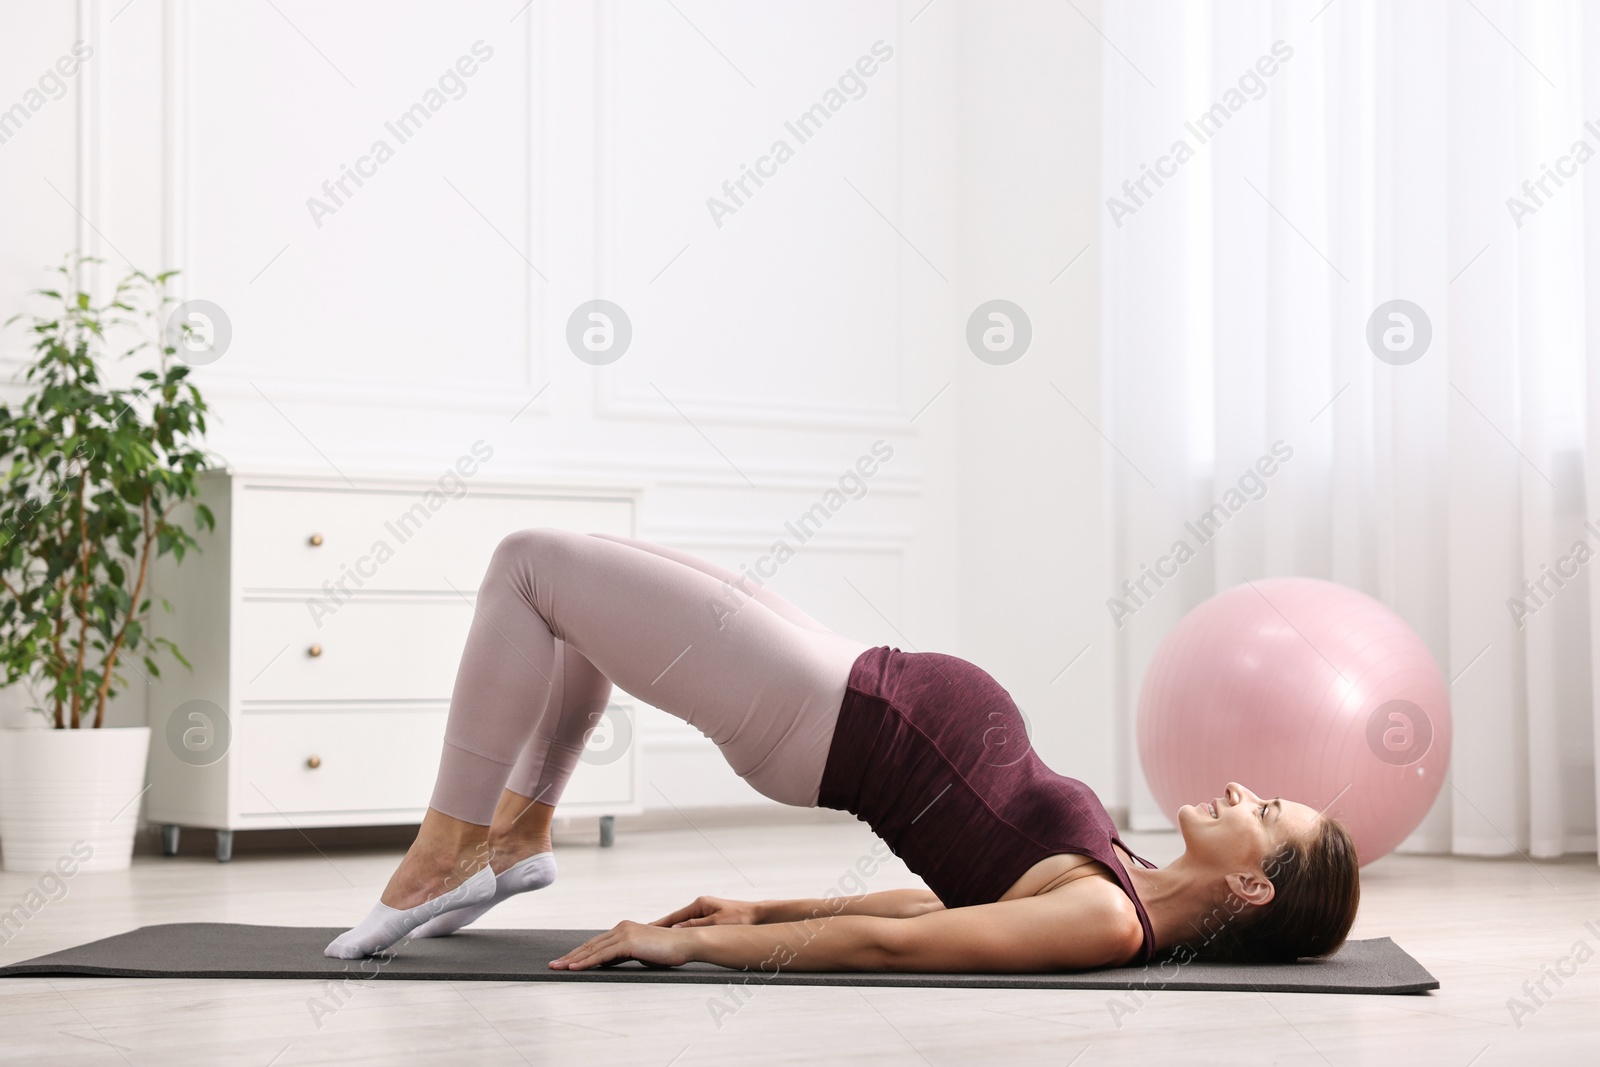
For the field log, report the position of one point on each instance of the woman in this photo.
(1025, 868)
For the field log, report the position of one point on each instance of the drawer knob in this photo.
(313, 762)
(314, 651)
(315, 540)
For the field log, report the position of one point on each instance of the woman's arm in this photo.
(1090, 924)
(888, 904)
(719, 911)
(835, 943)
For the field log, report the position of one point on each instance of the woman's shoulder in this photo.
(1101, 904)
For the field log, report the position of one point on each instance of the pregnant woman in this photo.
(1024, 867)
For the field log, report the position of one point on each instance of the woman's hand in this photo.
(715, 911)
(649, 944)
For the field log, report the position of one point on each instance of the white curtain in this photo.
(1379, 152)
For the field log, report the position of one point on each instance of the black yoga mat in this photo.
(233, 950)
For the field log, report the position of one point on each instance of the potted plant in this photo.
(91, 476)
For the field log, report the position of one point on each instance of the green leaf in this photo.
(80, 460)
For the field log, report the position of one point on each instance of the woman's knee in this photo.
(532, 541)
(540, 546)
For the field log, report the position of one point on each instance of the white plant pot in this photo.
(66, 788)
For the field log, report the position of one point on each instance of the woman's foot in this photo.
(445, 869)
(525, 875)
(445, 854)
(384, 925)
(520, 856)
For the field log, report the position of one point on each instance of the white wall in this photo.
(1034, 528)
(769, 352)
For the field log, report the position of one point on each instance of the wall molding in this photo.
(345, 393)
(178, 224)
(610, 402)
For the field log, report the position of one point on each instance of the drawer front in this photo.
(388, 540)
(403, 650)
(373, 761)
(385, 760)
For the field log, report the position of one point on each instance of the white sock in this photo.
(535, 872)
(384, 925)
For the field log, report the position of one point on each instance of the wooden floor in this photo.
(1482, 927)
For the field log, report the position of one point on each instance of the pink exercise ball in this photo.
(1303, 689)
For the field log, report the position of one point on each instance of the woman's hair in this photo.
(1317, 887)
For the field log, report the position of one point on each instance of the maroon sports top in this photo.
(931, 752)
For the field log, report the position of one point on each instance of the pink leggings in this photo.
(561, 616)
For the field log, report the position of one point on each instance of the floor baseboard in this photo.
(569, 831)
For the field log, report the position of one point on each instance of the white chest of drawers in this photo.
(324, 620)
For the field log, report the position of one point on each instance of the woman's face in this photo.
(1234, 831)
